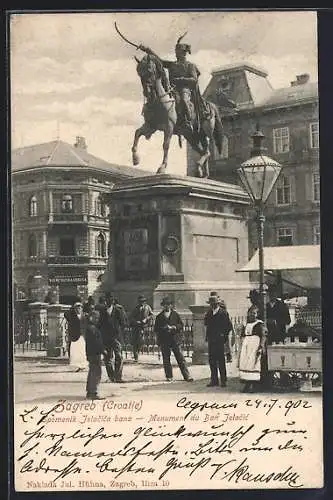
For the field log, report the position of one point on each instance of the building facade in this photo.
(288, 117)
(60, 219)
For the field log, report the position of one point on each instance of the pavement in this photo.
(40, 379)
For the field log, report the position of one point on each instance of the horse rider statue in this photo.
(183, 77)
(175, 106)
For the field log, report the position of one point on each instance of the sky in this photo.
(71, 73)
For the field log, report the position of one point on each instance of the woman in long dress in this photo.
(76, 333)
(252, 351)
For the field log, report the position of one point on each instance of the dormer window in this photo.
(224, 84)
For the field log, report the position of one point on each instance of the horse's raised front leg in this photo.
(143, 130)
(166, 145)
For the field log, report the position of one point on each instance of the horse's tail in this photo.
(218, 129)
(180, 142)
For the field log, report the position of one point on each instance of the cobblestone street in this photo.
(42, 381)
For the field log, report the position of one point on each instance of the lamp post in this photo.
(258, 176)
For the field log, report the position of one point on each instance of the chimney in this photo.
(300, 80)
(80, 142)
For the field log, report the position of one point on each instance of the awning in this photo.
(286, 258)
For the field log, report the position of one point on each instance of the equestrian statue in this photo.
(174, 105)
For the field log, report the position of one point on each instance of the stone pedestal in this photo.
(200, 353)
(38, 322)
(57, 330)
(178, 236)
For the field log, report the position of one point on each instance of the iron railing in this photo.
(31, 335)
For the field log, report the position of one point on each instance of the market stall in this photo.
(300, 355)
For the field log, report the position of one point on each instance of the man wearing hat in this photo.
(111, 324)
(184, 76)
(278, 316)
(168, 327)
(140, 318)
(218, 329)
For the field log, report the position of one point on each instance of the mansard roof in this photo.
(249, 87)
(295, 94)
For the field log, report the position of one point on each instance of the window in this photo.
(32, 246)
(67, 203)
(67, 246)
(284, 236)
(314, 135)
(283, 191)
(33, 206)
(100, 207)
(316, 234)
(281, 140)
(101, 245)
(316, 187)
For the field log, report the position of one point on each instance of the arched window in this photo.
(101, 245)
(67, 203)
(32, 246)
(33, 206)
(100, 207)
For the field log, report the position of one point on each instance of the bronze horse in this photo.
(160, 113)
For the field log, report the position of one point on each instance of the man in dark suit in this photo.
(218, 328)
(168, 327)
(111, 324)
(94, 351)
(141, 315)
(278, 316)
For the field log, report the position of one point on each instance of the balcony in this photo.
(76, 260)
(63, 260)
(77, 218)
(29, 261)
(67, 218)
(99, 220)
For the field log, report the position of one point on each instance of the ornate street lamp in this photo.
(258, 176)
